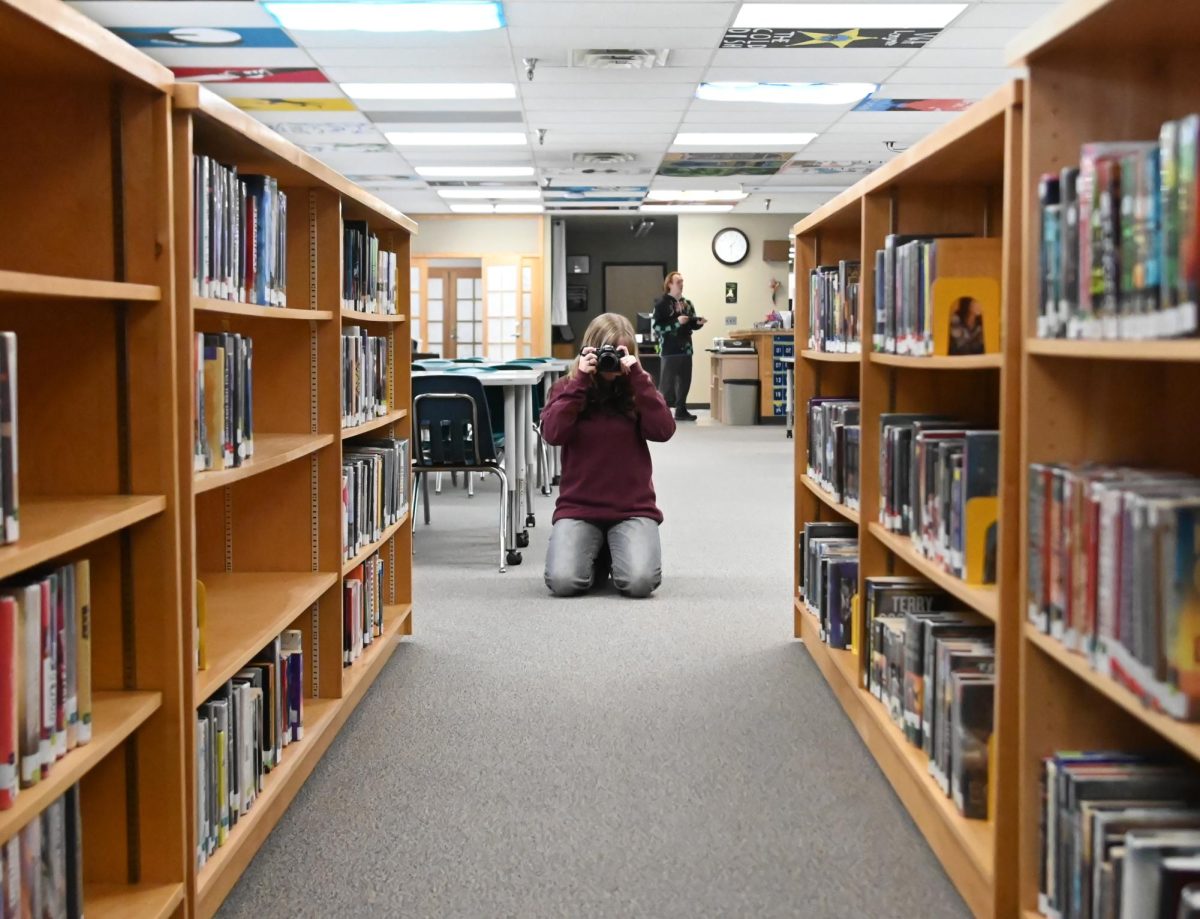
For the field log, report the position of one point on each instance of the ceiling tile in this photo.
(143, 13)
(1003, 15)
(522, 14)
(950, 79)
(812, 57)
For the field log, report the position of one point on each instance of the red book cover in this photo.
(8, 702)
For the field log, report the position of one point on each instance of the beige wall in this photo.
(476, 236)
(705, 277)
(438, 234)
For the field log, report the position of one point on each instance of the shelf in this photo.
(115, 715)
(51, 527)
(356, 316)
(932, 362)
(122, 901)
(245, 612)
(831, 357)
(280, 785)
(983, 599)
(847, 512)
(1176, 349)
(23, 284)
(234, 308)
(1182, 734)
(965, 847)
(375, 423)
(365, 669)
(270, 452)
(1096, 27)
(374, 547)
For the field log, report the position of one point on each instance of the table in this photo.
(520, 442)
(791, 383)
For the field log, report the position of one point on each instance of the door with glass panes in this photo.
(508, 288)
(454, 311)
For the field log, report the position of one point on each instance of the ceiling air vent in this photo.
(602, 159)
(619, 58)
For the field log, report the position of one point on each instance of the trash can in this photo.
(741, 401)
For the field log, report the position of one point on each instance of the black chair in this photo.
(452, 432)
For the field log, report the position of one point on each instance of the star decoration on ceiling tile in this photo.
(837, 39)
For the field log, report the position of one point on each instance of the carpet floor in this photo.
(679, 756)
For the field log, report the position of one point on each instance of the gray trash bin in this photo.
(741, 401)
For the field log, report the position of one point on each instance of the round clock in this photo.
(730, 246)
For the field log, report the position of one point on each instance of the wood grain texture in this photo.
(115, 716)
(270, 452)
(124, 901)
(232, 308)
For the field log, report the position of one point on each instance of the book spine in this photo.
(9, 688)
(71, 648)
(83, 631)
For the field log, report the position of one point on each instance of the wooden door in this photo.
(465, 333)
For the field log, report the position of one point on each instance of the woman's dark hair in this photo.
(963, 309)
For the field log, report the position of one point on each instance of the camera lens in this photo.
(608, 360)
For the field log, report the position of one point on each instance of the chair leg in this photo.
(504, 553)
(437, 484)
(454, 479)
(470, 477)
(425, 494)
(416, 503)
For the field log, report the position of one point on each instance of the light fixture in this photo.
(456, 138)
(785, 93)
(847, 15)
(519, 209)
(429, 91)
(472, 208)
(685, 208)
(474, 172)
(694, 194)
(747, 141)
(492, 193)
(456, 16)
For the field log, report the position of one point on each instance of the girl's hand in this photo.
(587, 361)
(628, 361)
(684, 318)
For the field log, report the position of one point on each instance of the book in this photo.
(10, 689)
(10, 529)
(83, 654)
(971, 719)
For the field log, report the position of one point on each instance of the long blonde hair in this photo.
(607, 329)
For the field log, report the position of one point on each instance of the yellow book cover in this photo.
(982, 516)
(965, 296)
(214, 403)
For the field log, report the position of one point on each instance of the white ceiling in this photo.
(581, 110)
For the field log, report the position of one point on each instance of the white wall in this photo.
(438, 234)
(704, 279)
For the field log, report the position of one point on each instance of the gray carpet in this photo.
(677, 756)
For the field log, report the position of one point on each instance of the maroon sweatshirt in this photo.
(606, 469)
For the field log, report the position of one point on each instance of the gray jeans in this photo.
(575, 545)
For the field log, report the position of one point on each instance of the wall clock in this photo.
(730, 246)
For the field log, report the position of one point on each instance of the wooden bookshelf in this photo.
(826, 498)
(981, 598)
(270, 452)
(1098, 71)
(365, 553)
(383, 421)
(965, 177)
(356, 316)
(271, 530)
(831, 357)
(86, 284)
(119, 901)
(233, 308)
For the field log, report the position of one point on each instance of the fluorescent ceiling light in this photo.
(519, 209)
(692, 194)
(456, 16)
(472, 208)
(847, 15)
(493, 193)
(747, 141)
(474, 172)
(429, 91)
(457, 138)
(786, 93)
(685, 208)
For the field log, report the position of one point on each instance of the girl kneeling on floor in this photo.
(602, 421)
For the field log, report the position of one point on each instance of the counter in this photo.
(771, 345)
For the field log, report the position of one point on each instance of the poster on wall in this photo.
(731, 291)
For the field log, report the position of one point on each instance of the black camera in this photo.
(608, 359)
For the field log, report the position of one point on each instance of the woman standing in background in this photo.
(675, 320)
